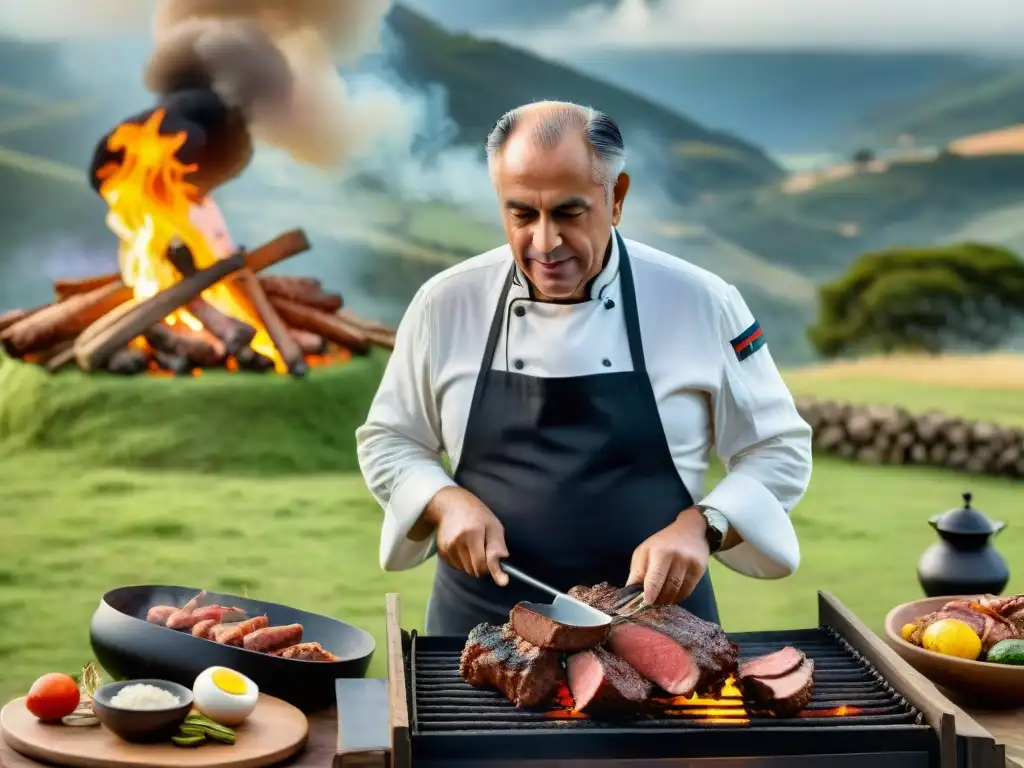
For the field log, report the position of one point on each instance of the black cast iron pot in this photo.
(129, 647)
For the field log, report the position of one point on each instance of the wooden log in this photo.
(310, 343)
(179, 365)
(287, 347)
(64, 288)
(95, 352)
(249, 359)
(66, 320)
(60, 359)
(362, 323)
(302, 290)
(277, 250)
(235, 334)
(201, 348)
(331, 327)
(128, 361)
(12, 316)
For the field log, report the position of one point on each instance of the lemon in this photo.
(907, 631)
(952, 637)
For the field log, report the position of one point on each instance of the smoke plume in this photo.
(276, 61)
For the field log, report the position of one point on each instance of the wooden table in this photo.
(1007, 727)
(319, 751)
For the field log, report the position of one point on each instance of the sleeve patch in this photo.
(748, 342)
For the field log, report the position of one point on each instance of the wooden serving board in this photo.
(274, 732)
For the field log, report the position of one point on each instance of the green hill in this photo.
(975, 105)
(486, 78)
(817, 232)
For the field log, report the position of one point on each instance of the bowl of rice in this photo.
(142, 711)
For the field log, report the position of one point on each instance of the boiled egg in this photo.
(225, 696)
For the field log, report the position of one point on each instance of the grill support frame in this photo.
(959, 741)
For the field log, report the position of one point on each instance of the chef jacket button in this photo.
(518, 364)
(606, 363)
(520, 311)
(609, 304)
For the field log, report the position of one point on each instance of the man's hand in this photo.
(469, 536)
(671, 562)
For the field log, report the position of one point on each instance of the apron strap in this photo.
(492, 341)
(629, 311)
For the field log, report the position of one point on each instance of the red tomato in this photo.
(53, 696)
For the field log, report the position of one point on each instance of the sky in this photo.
(958, 25)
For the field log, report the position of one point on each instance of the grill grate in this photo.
(850, 698)
(847, 692)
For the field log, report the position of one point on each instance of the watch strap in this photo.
(718, 527)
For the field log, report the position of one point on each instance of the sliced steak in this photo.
(601, 596)
(675, 650)
(777, 664)
(496, 657)
(600, 681)
(545, 632)
(785, 696)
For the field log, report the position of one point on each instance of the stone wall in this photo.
(880, 434)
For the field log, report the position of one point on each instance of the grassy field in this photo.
(74, 526)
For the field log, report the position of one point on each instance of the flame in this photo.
(149, 203)
(726, 708)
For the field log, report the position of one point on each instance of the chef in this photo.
(576, 381)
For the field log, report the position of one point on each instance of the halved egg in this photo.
(225, 696)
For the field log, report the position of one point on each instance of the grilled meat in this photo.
(668, 645)
(306, 652)
(270, 639)
(202, 629)
(786, 695)
(600, 681)
(234, 634)
(496, 657)
(545, 632)
(159, 614)
(772, 665)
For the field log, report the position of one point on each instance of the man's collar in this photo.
(599, 285)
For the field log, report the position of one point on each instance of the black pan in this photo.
(129, 647)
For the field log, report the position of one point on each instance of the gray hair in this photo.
(600, 131)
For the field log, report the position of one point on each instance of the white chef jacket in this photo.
(706, 394)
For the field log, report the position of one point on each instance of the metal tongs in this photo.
(572, 612)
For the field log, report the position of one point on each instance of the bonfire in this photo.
(175, 305)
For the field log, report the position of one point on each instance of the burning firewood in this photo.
(234, 333)
(289, 350)
(12, 316)
(99, 314)
(378, 334)
(59, 322)
(95, 352)
(128, 361)
(301, 289)
(310, 343)
(331, 327)
(66, 288)
(200, 347)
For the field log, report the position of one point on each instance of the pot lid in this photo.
(966, 520)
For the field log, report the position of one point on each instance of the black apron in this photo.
(578, 471)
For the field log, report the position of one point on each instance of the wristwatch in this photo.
(718, 527)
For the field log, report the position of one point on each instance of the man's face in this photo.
(557, 218)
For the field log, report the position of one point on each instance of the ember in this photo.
(177, 306)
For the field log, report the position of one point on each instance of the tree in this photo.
(863, 157)
(923, 299)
